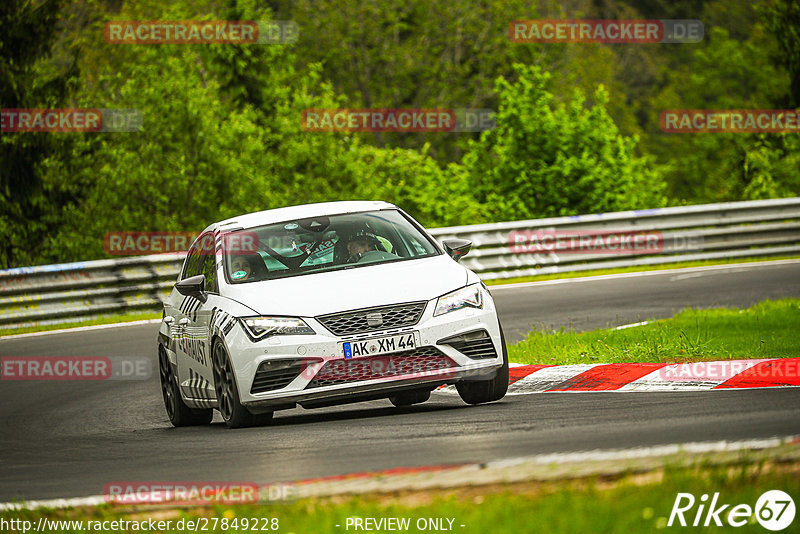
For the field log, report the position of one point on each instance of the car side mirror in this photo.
(194, 286)
(457, 248)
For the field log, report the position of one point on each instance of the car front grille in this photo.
(475, 345)
(412, 362)
(276, 374)
(373, 319)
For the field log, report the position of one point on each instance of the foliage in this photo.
(29, 31)
(577, 124)
(550, 159)
(712, 167)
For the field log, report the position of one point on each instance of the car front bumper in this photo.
(312, 352)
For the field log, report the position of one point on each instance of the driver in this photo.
(363, 247)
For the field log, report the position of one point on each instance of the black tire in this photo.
(494, 389)
(233, 413)
(179, 414)
(407, 398)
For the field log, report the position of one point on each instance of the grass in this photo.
(767, 330)
(109, 319)
(662, 267)
(633, 502)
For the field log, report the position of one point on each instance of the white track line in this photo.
(754, 264)
(95, 500)
(82, 329)
(646, 452)
(623, 327)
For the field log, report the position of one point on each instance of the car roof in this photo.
(303, 211)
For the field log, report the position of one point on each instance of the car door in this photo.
(193, 344)
(175, 318)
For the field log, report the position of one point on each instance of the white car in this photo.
(324, 304)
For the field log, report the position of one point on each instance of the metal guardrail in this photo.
(689, 233)
(52, 294)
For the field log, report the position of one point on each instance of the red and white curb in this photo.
(729, 374)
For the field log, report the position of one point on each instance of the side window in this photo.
(201, 251)
(210, 270)
(193, 263)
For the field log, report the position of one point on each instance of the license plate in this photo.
(380, 345)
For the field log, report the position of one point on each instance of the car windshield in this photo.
(325, 243)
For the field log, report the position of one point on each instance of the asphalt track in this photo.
(69, 439)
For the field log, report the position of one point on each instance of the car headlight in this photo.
(261, 327)
(466, 297)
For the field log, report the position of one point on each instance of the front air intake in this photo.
(276, 374)
(475, 345)
(412, 363)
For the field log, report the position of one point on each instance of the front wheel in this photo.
(179, 414)
(479, 392)
(233, 413)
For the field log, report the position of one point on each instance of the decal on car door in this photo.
(221, 322)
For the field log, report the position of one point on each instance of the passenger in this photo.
(241, 268)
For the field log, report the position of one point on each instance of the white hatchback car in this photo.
(324, 304)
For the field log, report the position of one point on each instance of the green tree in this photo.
(222, 135)
(782, 18)
(548, 158)
(714, 167)
(28, 81)
(419, 54)
(416, 182)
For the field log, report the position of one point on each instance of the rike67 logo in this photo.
(774, 510)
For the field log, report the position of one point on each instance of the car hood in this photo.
(349, 289)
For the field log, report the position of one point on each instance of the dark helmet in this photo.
(367, 236)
